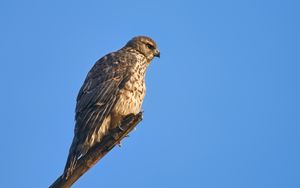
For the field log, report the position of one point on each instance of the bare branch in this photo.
(99, 150)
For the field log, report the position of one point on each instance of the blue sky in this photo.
(222, 106)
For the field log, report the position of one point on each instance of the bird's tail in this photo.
(71, 161)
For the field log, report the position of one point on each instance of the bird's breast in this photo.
(131, 96)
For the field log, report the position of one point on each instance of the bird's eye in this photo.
(150, 46)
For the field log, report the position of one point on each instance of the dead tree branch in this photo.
(99, 150)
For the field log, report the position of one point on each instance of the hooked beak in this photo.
(157, 53)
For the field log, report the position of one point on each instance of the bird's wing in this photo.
(99, 93)
(96, 99)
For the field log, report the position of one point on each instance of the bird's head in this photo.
(144, 45)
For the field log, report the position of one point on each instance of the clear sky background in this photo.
(222, 108)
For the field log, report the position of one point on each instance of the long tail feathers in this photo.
(70, 166)
(71, 161)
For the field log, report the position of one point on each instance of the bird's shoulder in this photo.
(114, 63)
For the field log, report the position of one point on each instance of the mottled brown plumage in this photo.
(114, 88)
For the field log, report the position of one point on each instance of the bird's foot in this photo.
(119, 126)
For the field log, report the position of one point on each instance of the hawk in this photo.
(113, 89)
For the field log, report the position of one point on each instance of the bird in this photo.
(113, 88)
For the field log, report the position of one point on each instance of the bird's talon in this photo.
(121, 128)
